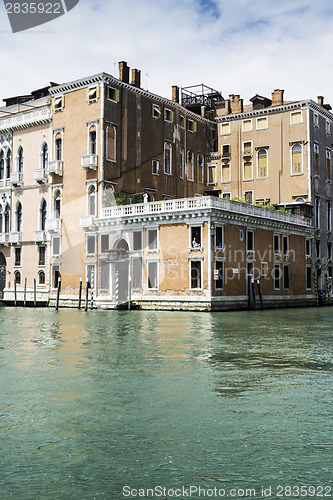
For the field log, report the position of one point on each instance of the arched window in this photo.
(296, 154)
(262, 163)
(19, 164)
(43, 214)
(167, 159)
(111, 142)
(92, 201)
(18, 217)
(58, 147)
(7, 219)
(44, 156)
(8, 163)
(1, 219)
(57, 204)
(190, 166)
(41, 278)
(2, 165)
(17, 277)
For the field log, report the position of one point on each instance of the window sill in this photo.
(153, 251)
(195, 249)
(295, 175)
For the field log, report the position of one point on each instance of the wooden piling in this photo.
(15, 292)
(35, 293)
(80, 294)
(25, 292)
(87, 293)
(58, 293)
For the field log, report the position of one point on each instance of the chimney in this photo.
(123, 71)
(175, 93)
(203, 111)
(136, 78)
(277, 97)
(320, 100)
(236, 103)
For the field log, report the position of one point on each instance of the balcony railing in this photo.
(4, 238)
(16, 179)
(55, 167)
(15, 237)
(40, 175)
(53, 225)
(4, 183)
(40, 236)
(89, 162)
(87, 221)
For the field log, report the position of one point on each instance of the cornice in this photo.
(26, 119)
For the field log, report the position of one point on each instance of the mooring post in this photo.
(117, 289)
(80, 294)
(58, 293)
(35, 293)
(129, 288)
(25, 292)
(15, 292)
(87, 293)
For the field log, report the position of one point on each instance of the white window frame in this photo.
(155, 248)
(296, 113)
(217, 259)
(226, 125)
(91, 236)
(291, 160)
(220, 226)
(308, 255)
(250, 178)
(55, 237)
(264, 272)
(59, 103)
(246, 121)
(168, 145)
(258, 120)
(191, 126)
(211, 166)
(157, 164)
(148, 263)
(167, 112)
(91, 92)
(190, 236)
(229, 167)
(277, 265)
(316, 120)
(156, 111)
(116, 94)
(197, 259)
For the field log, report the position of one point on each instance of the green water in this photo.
(91, 403)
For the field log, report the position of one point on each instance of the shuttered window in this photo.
(297, 159)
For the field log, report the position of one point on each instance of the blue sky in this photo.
(235, 46)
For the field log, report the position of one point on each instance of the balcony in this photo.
(16, 179)
(4, 183)
(4, 238)
(87, 222)
(40, 176)
(53, 225)
(89, 162)
(247, 153)
(15, 237)
(40, 236)
(55, 167)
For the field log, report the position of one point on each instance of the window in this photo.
(248, 195)
(182, 163)
(317, 213)
(328, 128)
(296, 117)
(137, 240)
(19, 164)
(262, 123)
(225, 128)
(276, 244)
(316, 159)
(307, 248)
(41, 278)
(196, 274)
(211, 174)
(44, 156)
(201, 169)
(190, 166)
(137, 272)
(55, 246)
(57, 204)
(316, 120)
(1, 220)
(92, 200)
(104, 275)
(329, 250)
(264, 269)
(168, 115)
(92, 140)
(152, 275)
(286, 276)
(247, 125)
(156, 111)
(296, 155)
(55, 275)
(308, 277)
(247, 171)
(247, 148)
(59, 104)
(111, 142)
(262, 163)
(8, 163)
(195, 236)
(42, 215)
(17, 277)
(317, 249)
(249, 241)
(152, 239)
(167, 159)
(93, 94)
(329, 215)
(113, 94)
(91, 276)
(182, 121)
(41, 256)
(2, 165)
(191, 126)
(7, 219)
(285, 245)
(276, 276)
(104, 242)
(91, 244)
(328, 164)
(58, 147)
(219, 237)
(226, 196)
(18, 217)
(226, 172)
(330, 271)
(155, 167)
(226, 151)
(219, 275)
(17, 260)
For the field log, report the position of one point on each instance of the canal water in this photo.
(112, 404)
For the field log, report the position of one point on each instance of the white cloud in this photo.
(235, 46)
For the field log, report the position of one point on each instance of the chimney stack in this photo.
(277, 97)
(136, 78)
(123, 71)
(175, 93)
(236, 103)
(320, 100)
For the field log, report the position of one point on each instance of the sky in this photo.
(234, 46)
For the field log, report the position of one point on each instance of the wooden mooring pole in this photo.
(87, 293)
(58, 293)
(25, 292)
(15, 292)
(35, 293)
(80, 294)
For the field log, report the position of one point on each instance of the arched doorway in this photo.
(3, 265)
